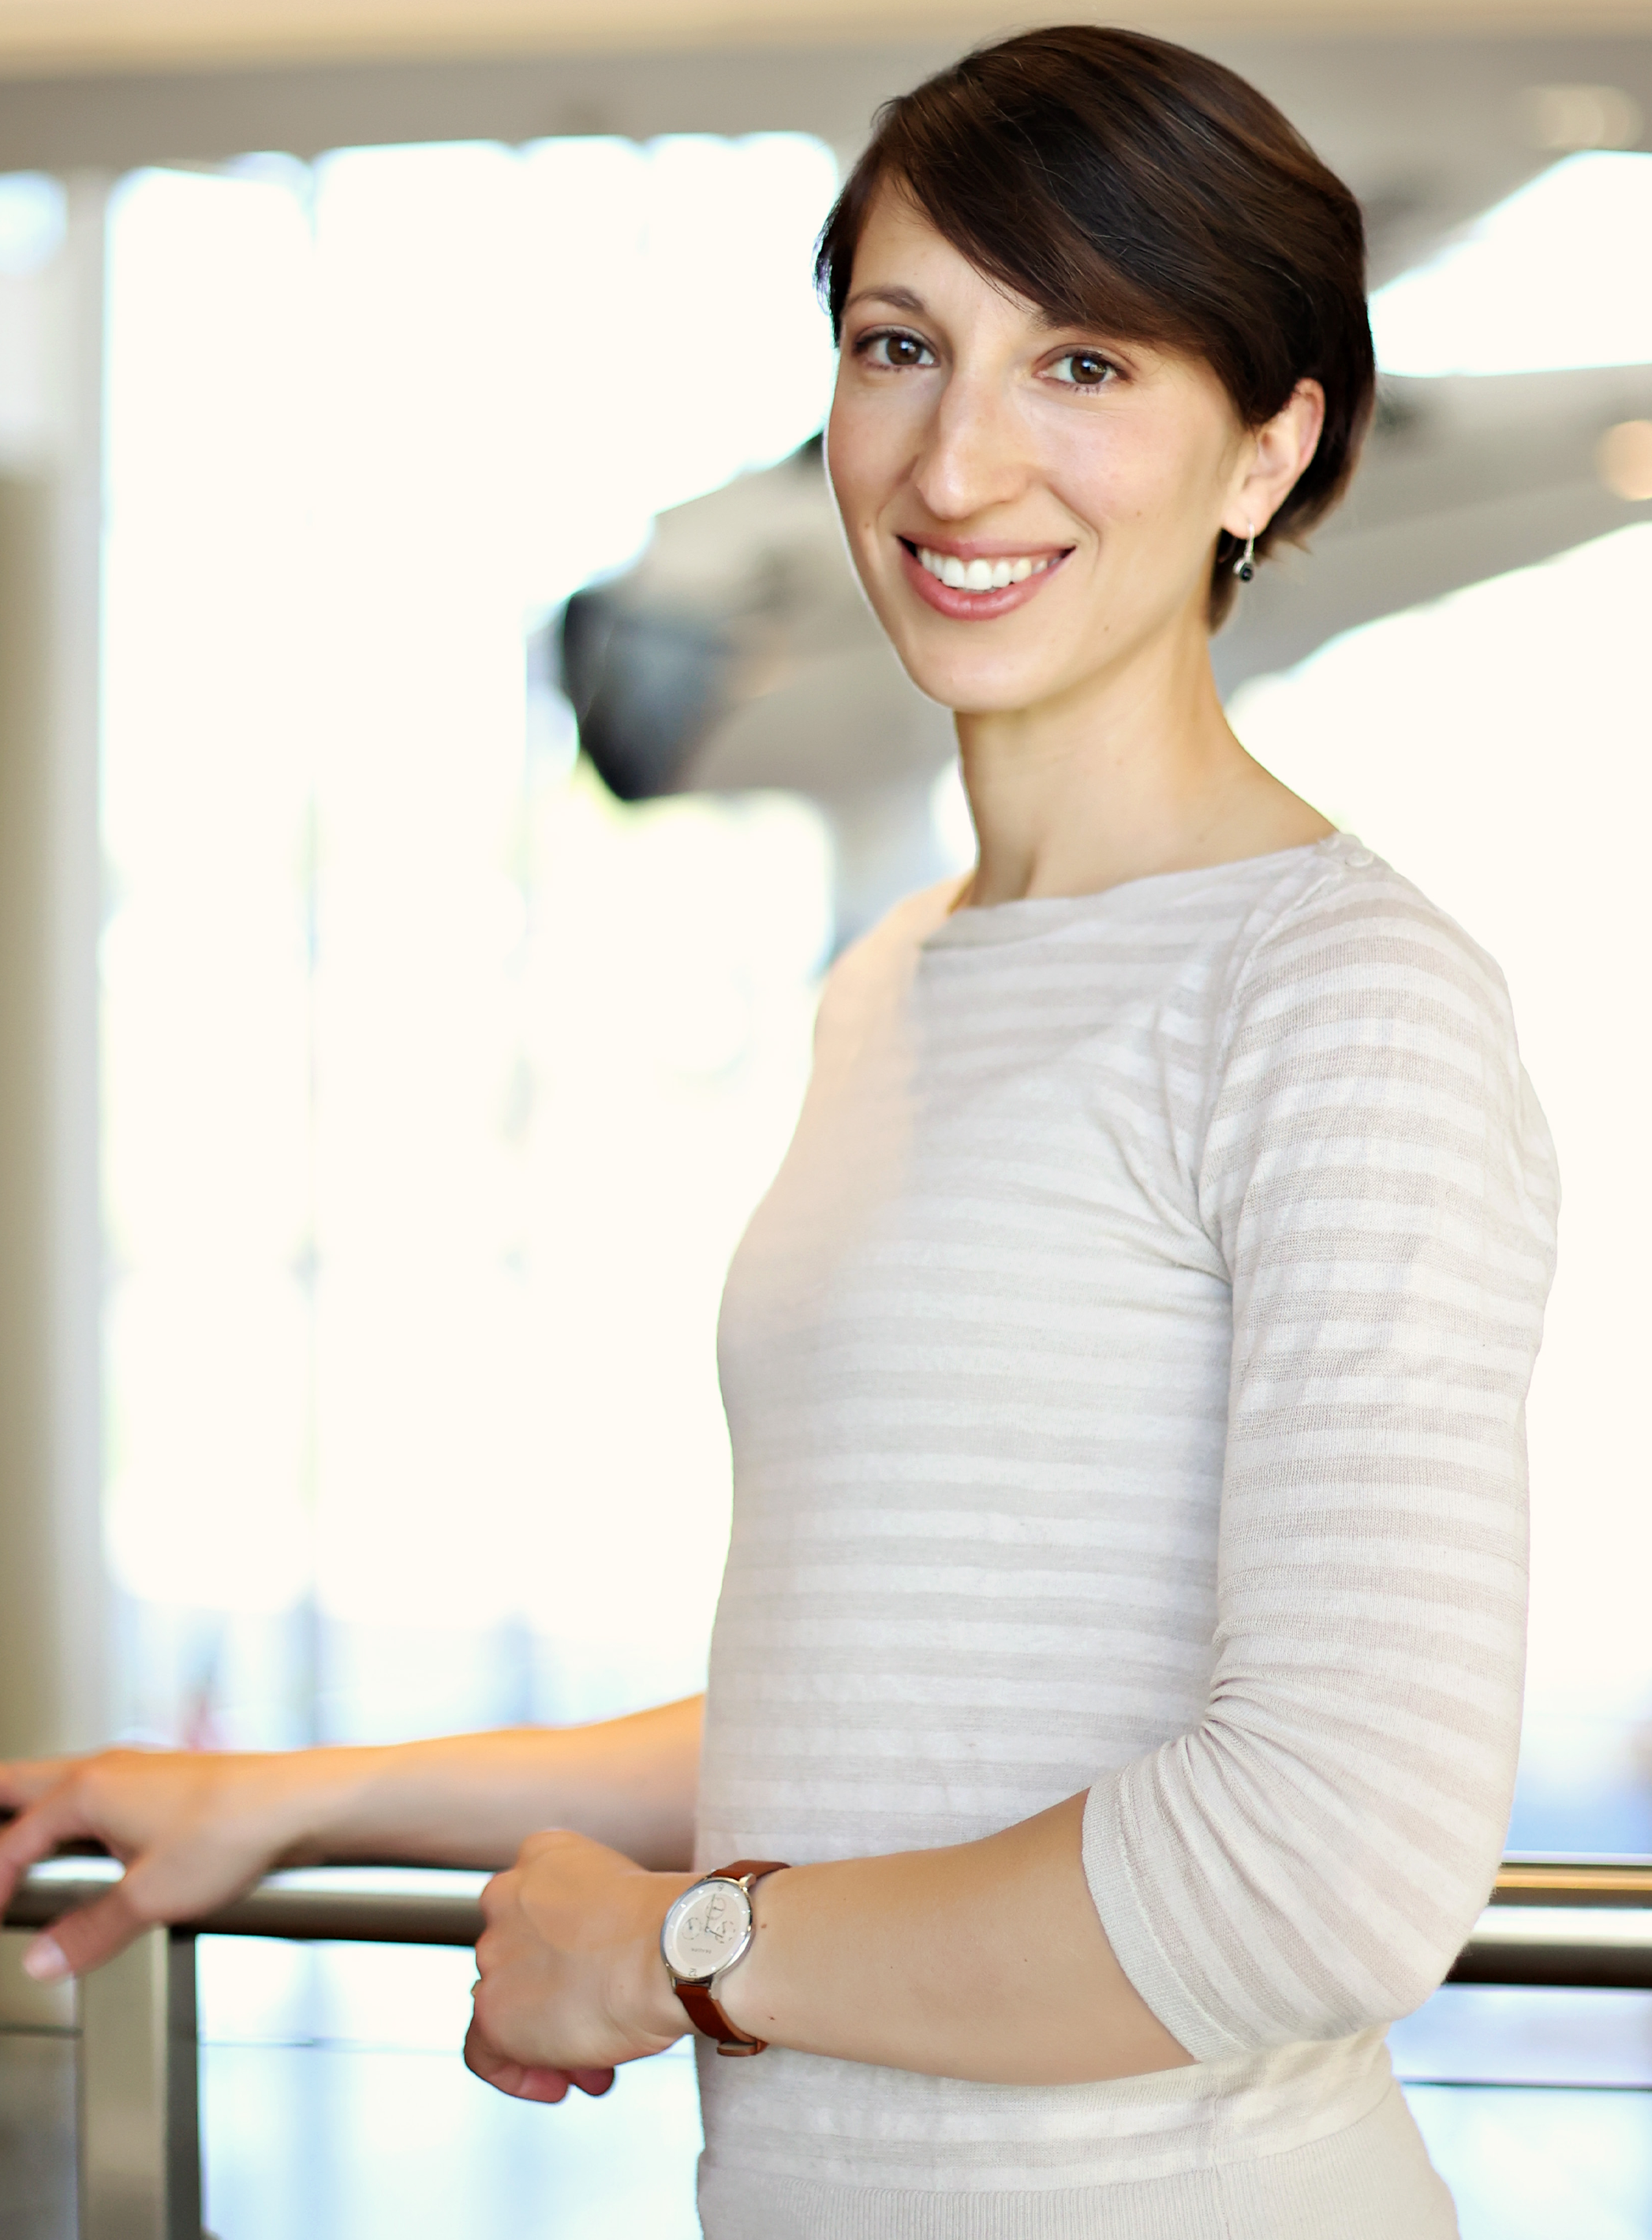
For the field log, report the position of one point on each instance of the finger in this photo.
(513, 2077)
(546, 2085)
(85, 1938)
(496, 1893)
(25, 1779)
(57, 1816)
(594, 2081)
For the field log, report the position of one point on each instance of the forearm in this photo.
(471, 1800)
(984, 1961)
(197, 1827)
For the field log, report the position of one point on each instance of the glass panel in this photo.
(336, 2104)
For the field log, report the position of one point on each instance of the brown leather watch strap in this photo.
(708, 2017)
(698, 2004)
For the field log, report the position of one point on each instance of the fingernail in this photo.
(44, 1961)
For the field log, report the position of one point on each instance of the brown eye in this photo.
(898, 350)
(1088, 371)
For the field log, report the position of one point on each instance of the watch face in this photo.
(709, 1926)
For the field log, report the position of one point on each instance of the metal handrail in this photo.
(440, 1905)
(1564, 1924)
(1568, 1878)
(357, 1905)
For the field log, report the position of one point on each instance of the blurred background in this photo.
(441, 749)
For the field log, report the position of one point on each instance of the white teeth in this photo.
(979, 575)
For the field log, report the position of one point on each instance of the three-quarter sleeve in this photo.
(1377, 1178)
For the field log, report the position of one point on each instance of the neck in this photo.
(1133, 772)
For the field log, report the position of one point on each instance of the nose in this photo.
(975, 452)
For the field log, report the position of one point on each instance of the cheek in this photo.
(860, 488)
(1139, 484)
(1117, 477)
(851, 462)
(1095, 461)
(875, 434)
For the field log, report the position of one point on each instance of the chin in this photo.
(977, 687)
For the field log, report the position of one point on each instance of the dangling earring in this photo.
(1245, 566)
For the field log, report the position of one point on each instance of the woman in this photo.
(1122, 1634)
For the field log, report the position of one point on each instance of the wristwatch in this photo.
(706, 1932)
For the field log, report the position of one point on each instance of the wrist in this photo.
(322, 1807)
(650, 2003)
(748, 1993)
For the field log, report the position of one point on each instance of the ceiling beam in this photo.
(116, 122)
(1427, 130)
(43, 38)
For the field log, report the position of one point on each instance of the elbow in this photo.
(1372, 2001)
(1342, 1969)
(1247, 1929)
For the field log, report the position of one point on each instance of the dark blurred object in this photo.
(739, 655)
(643, 686)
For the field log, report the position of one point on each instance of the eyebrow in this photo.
(907, 299)
(898, 299)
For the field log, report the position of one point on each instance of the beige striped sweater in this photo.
(1126, 1377)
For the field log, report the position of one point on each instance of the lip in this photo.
(978, 606)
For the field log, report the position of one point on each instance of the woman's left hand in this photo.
(571, 1978)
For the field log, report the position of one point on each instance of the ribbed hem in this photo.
(1130, 1934)
(1371, 2181)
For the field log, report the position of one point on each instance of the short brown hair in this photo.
(1112, 179)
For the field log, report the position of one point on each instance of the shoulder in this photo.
(1365, 1025)
(1350, 947)
(1370, 1109)
(884, 956)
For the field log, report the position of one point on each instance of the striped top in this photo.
(1126, 1378)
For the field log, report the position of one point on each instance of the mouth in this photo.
(977, 587)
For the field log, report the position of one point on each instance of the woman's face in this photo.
(1027, 504)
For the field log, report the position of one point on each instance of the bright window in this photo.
(1558, 275)
(439, 1087)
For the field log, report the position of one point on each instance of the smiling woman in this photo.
(1129, 192)
(1122, 1631)
(1124, 463)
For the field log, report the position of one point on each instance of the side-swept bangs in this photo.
(1126, 184)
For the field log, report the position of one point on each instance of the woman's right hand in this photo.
(194, 1828)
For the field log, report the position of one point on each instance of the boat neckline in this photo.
(975, 925)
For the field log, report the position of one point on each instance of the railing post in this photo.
(140, 2142)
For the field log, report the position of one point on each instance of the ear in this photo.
(1276, 457)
